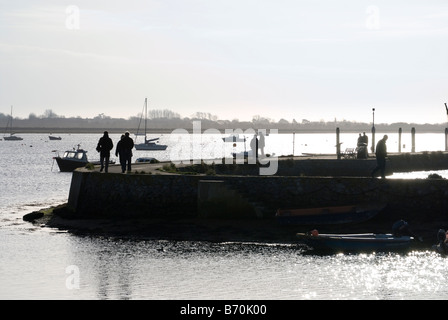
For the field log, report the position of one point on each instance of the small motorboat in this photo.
(146, 160)
(362, 242)
(329, 215)
(51, 137)
(72, 159)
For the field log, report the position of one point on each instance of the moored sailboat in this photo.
(11, 136)
(148, 144)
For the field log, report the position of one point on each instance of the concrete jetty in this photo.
(225, 202)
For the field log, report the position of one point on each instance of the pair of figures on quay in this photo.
(380, 153)
(362, 143)
(123, 151)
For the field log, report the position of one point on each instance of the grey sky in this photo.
(315, 60)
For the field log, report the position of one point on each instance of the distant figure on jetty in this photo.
(104, 146)
(381, 154)
(254, 146)
(120, 154)
(261, 143)
(363, 141)
(124, 150)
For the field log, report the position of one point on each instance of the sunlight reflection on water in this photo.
(33, 260)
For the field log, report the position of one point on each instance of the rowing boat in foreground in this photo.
(355, 242)
(329, 215)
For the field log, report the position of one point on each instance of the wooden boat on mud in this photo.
(362, 242)
(329, 215)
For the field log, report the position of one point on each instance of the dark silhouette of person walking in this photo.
(124, 149)
(104, 146)
(254, 146)
(381, 154)
(119, 153)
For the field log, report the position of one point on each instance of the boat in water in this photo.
(148, 144)
(362, 242)
(73, 159)
(11, 136)
(329, 215)
(51, 137)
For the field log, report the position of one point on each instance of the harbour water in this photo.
(42, 263)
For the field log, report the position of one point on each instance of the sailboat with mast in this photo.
(149, 144)
(11, 136)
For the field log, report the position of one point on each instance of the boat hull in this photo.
(150, 146)
(328, 215)
(356, 242)
(12, 138)
(66, 165)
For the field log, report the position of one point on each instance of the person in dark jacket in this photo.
(120, 154)
(124, 150)
(104, 146)
(254, 147)
(381, 154)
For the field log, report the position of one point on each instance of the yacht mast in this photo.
(146, 114)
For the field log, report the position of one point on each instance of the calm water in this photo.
(41, 263)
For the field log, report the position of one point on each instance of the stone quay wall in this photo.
(226, 196)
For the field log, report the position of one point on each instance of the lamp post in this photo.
(373, 131)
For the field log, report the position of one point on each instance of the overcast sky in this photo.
(291, 59)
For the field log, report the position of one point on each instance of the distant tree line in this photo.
(164, 120)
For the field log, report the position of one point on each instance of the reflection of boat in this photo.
(328, 215)
(355, 242)
(234, 138)
(11, 136)
(54, 137)
(149, 144)
(73, 159)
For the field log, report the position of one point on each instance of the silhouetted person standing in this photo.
(120, 154)
(254, 146)
(104, 146)
(126, 146)
(365, 139)
(381, 154)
